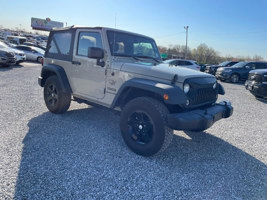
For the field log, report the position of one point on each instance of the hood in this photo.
(162, 71)
(220, 69)
(16, 51)
(259, 71)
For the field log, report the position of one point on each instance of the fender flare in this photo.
(49, 69)
(175, 94)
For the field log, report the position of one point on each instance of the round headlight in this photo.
(186, 88)
(214, 85)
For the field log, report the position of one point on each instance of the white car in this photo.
(32, 53)
(191, 64)
(20, 55)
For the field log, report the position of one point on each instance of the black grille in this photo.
(202, 95)
(255, 77)
(10, 54)
(201, 91)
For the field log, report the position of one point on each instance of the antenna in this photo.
(115, 20)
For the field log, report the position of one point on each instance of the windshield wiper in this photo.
(126, 55)
(149, 57)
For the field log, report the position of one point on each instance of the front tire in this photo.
(143, 126)
(234, 78)
(56, 100)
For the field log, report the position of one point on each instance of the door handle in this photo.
(76, 62)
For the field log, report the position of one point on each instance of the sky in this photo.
(231, 27)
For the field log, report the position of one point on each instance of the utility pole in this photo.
(186, 28)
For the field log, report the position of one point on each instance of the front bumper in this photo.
(200, 119)
(257, 89)
(222, 76)
(7, 60)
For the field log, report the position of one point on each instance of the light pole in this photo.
(186, 28)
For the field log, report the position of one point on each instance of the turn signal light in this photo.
(166, 97)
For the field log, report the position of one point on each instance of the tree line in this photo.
(203, 54)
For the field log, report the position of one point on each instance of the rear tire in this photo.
(39, 59)
(143, 126)
(56, 100)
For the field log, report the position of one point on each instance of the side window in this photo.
(251, 65)
(19, 47)
(59, 46)
(182, 62)
(178, 62)
(28, 48)
(261, 66)
(86, 40)
(187, 63)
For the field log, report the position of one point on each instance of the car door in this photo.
(88, 78)
(250, 66)
(28, 52)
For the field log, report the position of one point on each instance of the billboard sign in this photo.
(45, 24)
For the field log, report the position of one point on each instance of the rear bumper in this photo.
(200, 119)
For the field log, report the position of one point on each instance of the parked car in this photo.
(20, 55)
(191, 64)
(257, 83)
(239, 71)
(32, 53)
(211, 69)
(34, 45)
(203, 67)
(7, 57)
(122, 71)
(18, 40)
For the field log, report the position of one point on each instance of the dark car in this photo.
(213, 68)
(239, 71)
(7, 57)
(34, 45)
(257, 83)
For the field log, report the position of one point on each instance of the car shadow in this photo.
(81, 155)
(7, 68)
(262, 100)
(242, 82)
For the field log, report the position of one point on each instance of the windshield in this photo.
(3, 45)
(39, 50)
(167, 61)
(131, 45)
(240, 64)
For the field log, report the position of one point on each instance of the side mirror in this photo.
(96, 53)
(247, 67)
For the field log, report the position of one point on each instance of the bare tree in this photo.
(257, 58)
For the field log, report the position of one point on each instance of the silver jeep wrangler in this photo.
(124, 72)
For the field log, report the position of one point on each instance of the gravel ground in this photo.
(81, 155)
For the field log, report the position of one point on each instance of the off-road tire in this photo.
(143, 126)
(56, 100)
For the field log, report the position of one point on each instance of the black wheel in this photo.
(39, 59)
(143, 126)
(234, 78)
(56, 100)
